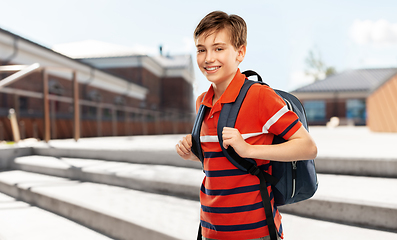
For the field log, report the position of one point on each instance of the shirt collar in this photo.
(230, 93)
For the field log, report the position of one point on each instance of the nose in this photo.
(209, 58)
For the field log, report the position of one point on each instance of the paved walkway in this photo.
(354, 142)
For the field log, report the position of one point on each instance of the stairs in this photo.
(20, 221)
(138, 188)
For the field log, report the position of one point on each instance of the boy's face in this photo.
(217, 58)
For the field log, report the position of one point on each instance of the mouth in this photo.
(212, 68)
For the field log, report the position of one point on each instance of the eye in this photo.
(200, 50)
(218, 49)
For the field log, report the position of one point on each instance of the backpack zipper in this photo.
(294, 167)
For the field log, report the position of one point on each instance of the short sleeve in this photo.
(276, 117)
(199, 100)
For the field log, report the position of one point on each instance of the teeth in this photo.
(212, 68)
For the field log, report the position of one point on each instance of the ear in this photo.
(241, 53)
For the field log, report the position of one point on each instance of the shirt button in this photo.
(212, 116)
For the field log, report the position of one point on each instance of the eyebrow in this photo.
(215, 44)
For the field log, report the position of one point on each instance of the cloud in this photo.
(380, 33)
(386, 61)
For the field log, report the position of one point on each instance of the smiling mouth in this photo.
(211, 68)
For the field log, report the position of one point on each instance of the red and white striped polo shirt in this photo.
(231, 204)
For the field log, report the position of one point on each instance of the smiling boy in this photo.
(231, 204)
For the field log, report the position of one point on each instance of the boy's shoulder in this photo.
(262, 92)
(257, 93)
(199, 100)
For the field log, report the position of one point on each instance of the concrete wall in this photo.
(8, 154)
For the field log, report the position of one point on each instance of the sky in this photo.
(347, 34)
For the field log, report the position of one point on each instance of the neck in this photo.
(219, 89)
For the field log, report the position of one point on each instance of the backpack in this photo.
(291, 181)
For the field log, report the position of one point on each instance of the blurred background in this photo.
(95, 94)
(135, 61)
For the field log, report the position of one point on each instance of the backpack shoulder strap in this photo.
(227, 118)
(196, 144)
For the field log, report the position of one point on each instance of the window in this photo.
(107, 114)
(54, 87)
(23, 103)
(120, 115)
(119, 100)
(315, 110)
(355, 109)
(89, 112)
(94, 95)
(92, 111)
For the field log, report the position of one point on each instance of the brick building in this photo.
(123, 95)
(356, 97)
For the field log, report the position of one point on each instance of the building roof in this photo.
(107, 55)
(95, 49)
(358, 80)
(174, 61)
(92, 49)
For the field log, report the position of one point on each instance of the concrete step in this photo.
(157, 149)
(363, 201)
(128, 214)
(301, 228)
(359, 166)
(117, 212)
(355, 151)
(160, 150)
(163, 179)
(20, 221)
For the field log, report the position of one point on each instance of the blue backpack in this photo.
(291, 181)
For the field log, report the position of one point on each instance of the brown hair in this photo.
(218, 20)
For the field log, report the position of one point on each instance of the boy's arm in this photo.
(300, 146)
(183, 148)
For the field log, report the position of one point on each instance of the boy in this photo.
(231, 204)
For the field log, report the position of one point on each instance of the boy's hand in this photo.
(183, 148)
(232, 137)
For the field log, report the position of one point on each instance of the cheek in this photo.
(200, 59)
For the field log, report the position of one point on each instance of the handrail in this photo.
(12, 68)
(20, 74)
(68, 99)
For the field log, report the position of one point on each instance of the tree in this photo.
(317, 67)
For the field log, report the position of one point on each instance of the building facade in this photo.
(356, 97)
(114, 100)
